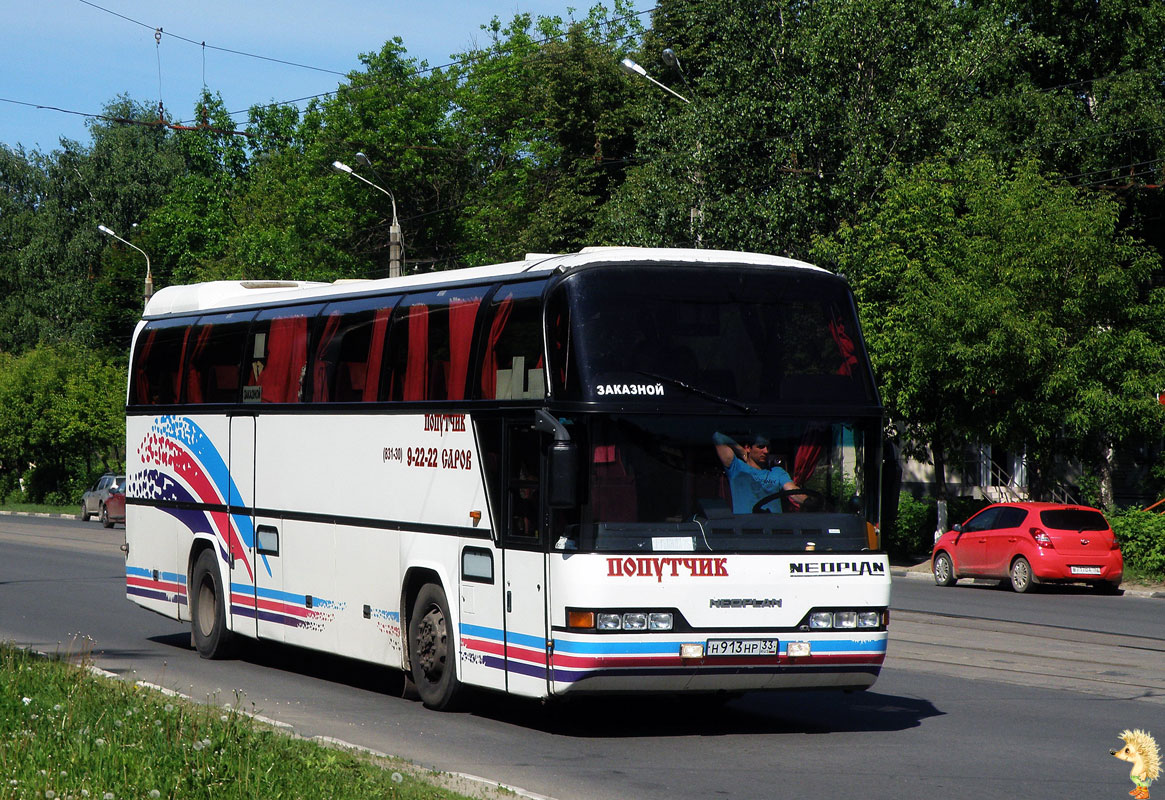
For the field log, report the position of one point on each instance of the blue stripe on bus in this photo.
(497, 635)
(248, 590)
(148, 574)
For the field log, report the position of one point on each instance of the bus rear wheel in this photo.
(431, 653)
(208, 608)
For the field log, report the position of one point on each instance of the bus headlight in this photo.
(845, 619)
(634, 621)
(821, 619)
(659, 621)
(609, 622)
(585, 619)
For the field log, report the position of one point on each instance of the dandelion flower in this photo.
(155, 794)
(397, 777)
(26, 700)
(57, 707)
(107, 796)
(100, 742)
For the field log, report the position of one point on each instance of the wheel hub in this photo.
(432, 642)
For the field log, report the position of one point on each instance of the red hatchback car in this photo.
(113, 509)
(1030, 543)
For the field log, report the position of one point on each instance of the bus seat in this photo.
(226, 377)
(350, 380)
(613, 497)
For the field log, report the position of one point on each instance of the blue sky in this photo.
(76, 55)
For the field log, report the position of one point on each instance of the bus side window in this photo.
(276, 359)
(430, 345)
(213, 360)
(525, 514)
(349, 355)
(512, 364)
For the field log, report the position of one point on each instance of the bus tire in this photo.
(431, 649)
(208, 608)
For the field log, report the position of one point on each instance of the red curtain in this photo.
(845, 346)
(321, 391)
(416, 385)
(462, 314)
(286, 359)
(489, 369)
(193, 376)
(808, 453)
(145, 345)
(375, 355)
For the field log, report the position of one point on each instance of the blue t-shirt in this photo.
(749, 484)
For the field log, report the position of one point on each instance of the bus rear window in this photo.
(157, 367)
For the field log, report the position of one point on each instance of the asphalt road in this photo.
(984, 694)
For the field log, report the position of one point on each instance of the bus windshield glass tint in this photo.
(692, 335)
(725, 484)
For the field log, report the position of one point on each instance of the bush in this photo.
(912, 533)
(1142, 539)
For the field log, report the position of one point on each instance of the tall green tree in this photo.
(1003, 306)
(544, 118)
(61, 422)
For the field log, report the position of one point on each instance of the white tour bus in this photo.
(514, 477)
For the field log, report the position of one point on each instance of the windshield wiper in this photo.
(687, 387)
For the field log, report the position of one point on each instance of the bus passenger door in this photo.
(524, 532)
(240, 501)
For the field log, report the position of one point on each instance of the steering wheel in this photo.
(813, 501)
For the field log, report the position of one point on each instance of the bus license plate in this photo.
(1085, 570)
(741, 647)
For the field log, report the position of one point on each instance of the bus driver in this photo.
(749, 477)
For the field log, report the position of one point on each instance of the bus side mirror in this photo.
(562, 466)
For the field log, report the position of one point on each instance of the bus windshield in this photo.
(725, 484)
(740, 338)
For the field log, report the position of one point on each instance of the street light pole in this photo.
(634, 69)
(149, 287)
(394, 244)
(696, 215)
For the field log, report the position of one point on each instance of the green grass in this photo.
(66, 732)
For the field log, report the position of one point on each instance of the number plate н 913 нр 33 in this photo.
(741, 647)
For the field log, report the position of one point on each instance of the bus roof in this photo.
(219, 295)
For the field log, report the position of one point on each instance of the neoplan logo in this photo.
(813, 569)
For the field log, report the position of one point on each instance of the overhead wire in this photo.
(204, 45)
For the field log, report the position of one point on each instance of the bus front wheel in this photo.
(431, 653)
(208, 608)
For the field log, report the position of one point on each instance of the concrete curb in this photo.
(914, 573)
(38, 514)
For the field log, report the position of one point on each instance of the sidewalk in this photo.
(921, 571)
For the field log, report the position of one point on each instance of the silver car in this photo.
(94, 499)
